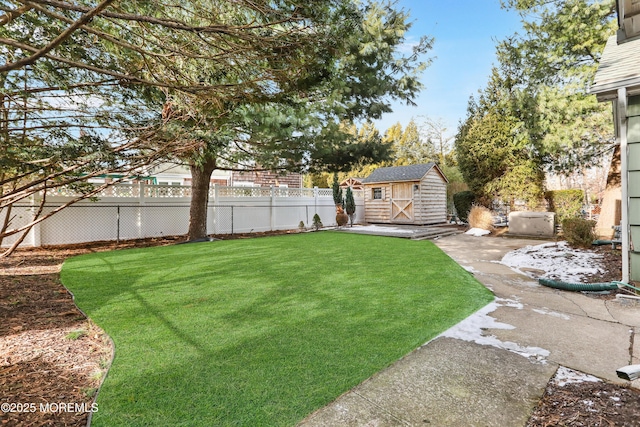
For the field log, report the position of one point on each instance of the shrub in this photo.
(480, 217)
(337, 191)
(350, 205)
(565, 203)
(579, 232)
(317, 223)
(454, 188)
(463, 202)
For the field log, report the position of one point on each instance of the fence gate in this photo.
(402, 202)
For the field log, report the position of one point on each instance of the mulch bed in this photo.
(51, 354)
(587, 404)
(612, 260)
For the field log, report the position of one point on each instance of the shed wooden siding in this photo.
(377, 210)
(429, 202)
(432, 199)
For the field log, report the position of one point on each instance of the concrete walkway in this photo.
(492, 368)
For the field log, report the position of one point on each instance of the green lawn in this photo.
(261, 331)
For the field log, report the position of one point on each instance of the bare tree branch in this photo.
(13, 14)
(26, 231)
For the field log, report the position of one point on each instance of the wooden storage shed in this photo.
(414, 194)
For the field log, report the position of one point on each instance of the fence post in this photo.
(215, 208)
(36, 231)
(271, 208)
(141, 203)
(118, 224)
(232, 220)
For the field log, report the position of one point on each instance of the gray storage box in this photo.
(538, 224)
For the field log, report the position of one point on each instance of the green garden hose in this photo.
(589, 287)
(626, 285)
(601, 242)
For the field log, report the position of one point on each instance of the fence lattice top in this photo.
(173, 191)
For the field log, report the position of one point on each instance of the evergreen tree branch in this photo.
(88, 16)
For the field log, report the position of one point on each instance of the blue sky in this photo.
(465, 33)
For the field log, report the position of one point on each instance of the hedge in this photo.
(565, 203)
(463, 202)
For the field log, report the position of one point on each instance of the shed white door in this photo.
(402, 202)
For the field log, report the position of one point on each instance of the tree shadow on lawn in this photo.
(258, 351)
(276, 376)
(100, 270)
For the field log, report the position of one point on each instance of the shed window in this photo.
(377, 193)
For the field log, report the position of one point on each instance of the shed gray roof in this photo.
(618, 68)
(400, 173)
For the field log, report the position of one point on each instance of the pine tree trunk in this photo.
(200, 180)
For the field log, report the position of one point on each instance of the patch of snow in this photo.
(558, 261)
(472, 328)
(510, 303)
(477, 232)
(566, 376)
(552, 313)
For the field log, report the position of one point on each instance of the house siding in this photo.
(633, 141)
(267, 178)
(618, 76)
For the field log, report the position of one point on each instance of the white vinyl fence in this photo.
(137, 211)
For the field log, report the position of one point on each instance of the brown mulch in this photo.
(589, 404)
(49, 352)
(51, 355)
(612, 261)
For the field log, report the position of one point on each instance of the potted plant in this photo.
(341, 217)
